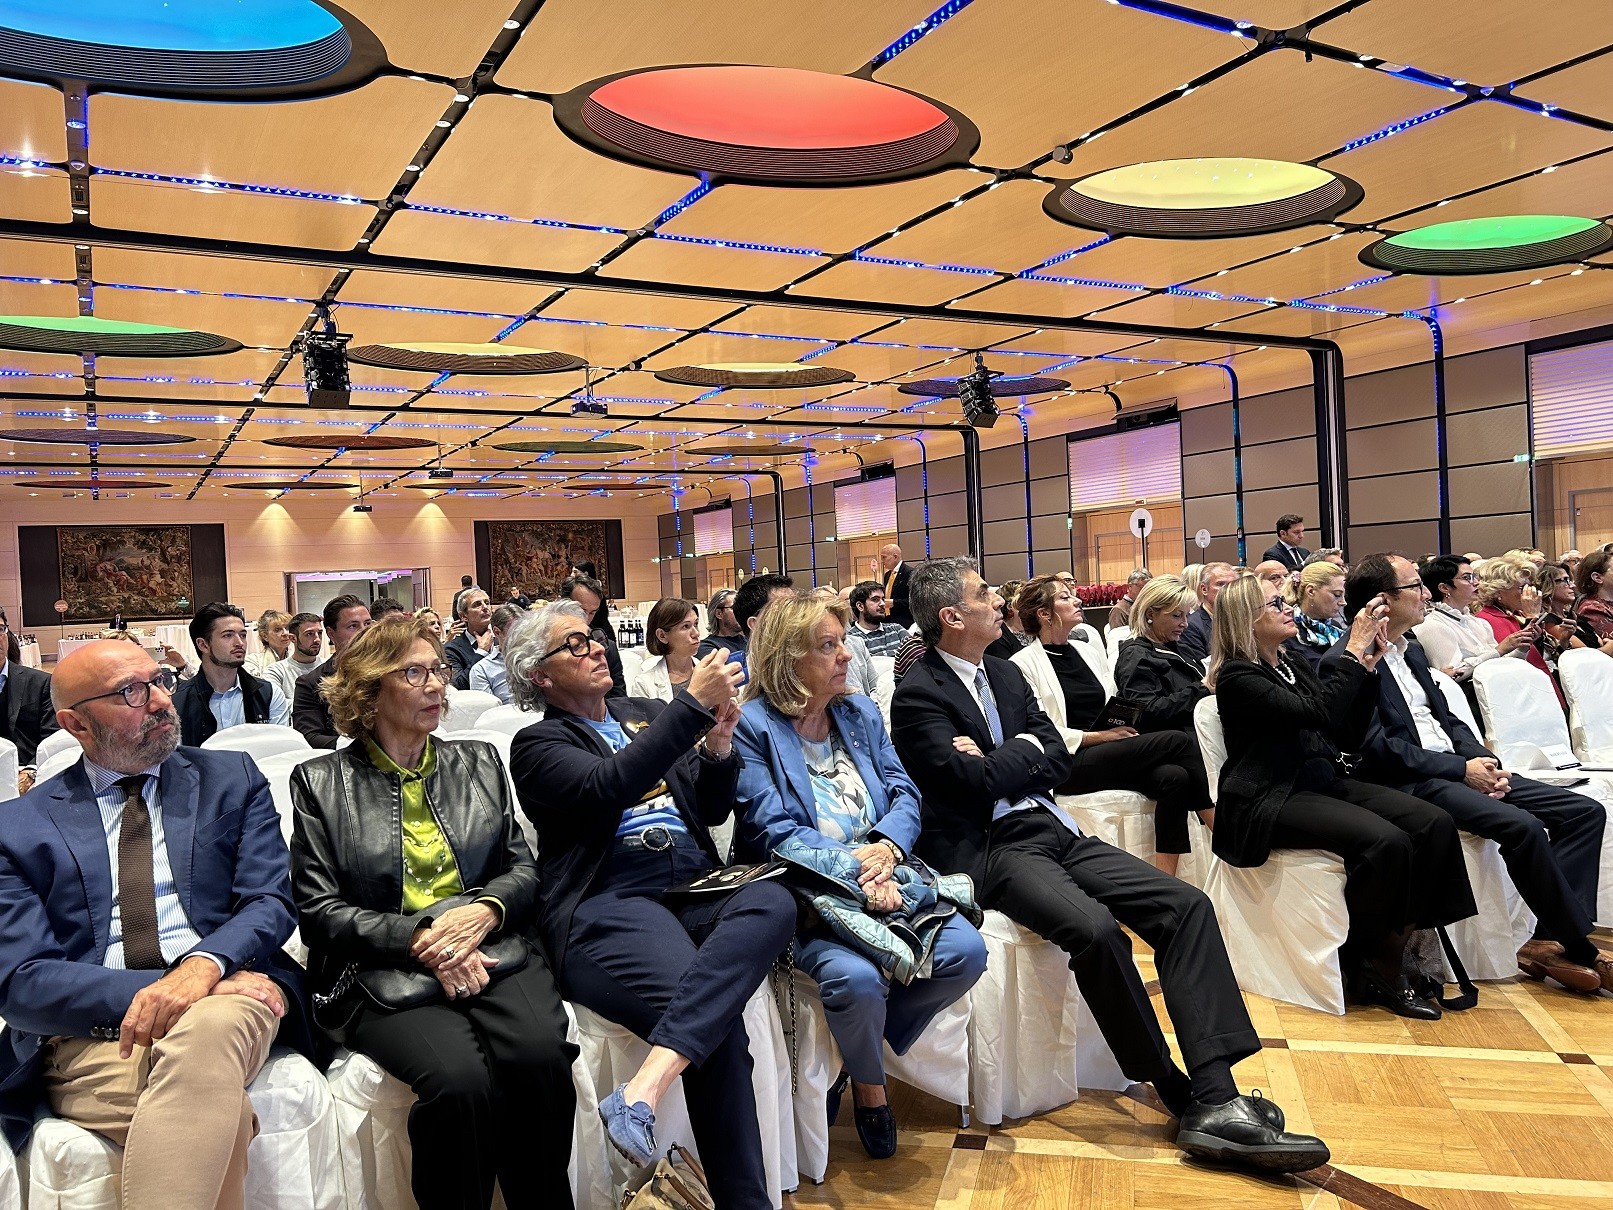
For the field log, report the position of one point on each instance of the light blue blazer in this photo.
(775, 800)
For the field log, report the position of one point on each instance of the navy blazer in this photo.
(232, 873)
(1393, 752)
(776, 802)
(1195, 640)
(30, 716)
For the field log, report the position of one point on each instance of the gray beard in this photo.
(147, 749)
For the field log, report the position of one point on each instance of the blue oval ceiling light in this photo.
(243, 48)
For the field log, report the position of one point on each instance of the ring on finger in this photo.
(448, 952)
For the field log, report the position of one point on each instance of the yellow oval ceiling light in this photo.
(1211, 198)
(757, 375)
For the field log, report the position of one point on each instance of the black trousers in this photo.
(678, 975)
(1077, 891)
(1551, 840)
(1163, 765)
(1402, 857)
(493, 1077)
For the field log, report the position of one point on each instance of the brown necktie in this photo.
(137, 893)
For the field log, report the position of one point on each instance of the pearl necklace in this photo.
(1284, 672)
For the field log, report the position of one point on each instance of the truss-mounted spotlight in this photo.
(974, 393)
(324, 365)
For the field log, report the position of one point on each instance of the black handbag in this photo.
(396, 988)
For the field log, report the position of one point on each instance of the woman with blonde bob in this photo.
(820, 773)
(1150, 670)
(274, 633)
(1510, 603)
(1316, 596)
(406, 860)
(433, 621)
(1286, 784)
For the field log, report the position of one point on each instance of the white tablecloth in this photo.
(30, 655)
(176, 635)
(66, 647)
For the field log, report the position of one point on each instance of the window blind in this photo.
(864, 509)
(1571, 399)
(1144, 464)
(714, 532)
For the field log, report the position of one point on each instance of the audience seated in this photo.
(406, 862)
(1509, 601)
(622, 802)
(1276, 576)
(821, 787)
(1455, 640)
(346, 617)
(870, 620)
(1151, 670)
(1315, 597)
(488, 675)
(1328, 554)
(433, 621)
(907, 655)
(1071, 684)
(1195, 640)
(26, 715)
(1120, 611)
(588, 592)
(1289, 549)
(1007, 645)
(472, 634)
(986, 760)
(1594, 580)
(141, 975)
(385, 607)
(1550, 838)
(672, 636)
(724, 628)
(274, 639)
(754, 596)
(1287, 784)
(224, 694)
(307, 635)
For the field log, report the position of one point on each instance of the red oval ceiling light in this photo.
(770, 125)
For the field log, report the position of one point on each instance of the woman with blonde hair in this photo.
(1150, 670)
(1316, 596)
(432, 620)
(1286, 784)
(416, 892)
(821, 785)
(274, 633)
(1509, 601)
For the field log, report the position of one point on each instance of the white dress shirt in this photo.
(1455, 639)
(490, 676)
(229, 707)
(1429, 731)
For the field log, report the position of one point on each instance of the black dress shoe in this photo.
(876, 1127)
(836, 1091)
(1398, 997)
(1270, 1111)
(1240, 1133)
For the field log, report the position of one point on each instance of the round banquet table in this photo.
(30, 655)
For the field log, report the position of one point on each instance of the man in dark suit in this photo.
(1289, 549)
(1550, 837)
(473, 616)
(896, 574)
(1195, 640)
(345, 619)
(26, 716)
(144, 897)
(986, 761)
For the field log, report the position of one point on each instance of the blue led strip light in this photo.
(975, 270)
(493, 217)
(1095, 283)
(1387, 131)
(208, 185)
(1064, 256)
(739, 244)
(684, 202)
(1188, 16)
(927, 26)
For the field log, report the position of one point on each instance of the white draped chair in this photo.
(884, 685)
(294, 1163)
(8, 770)
(276, 771)
(57, 741)
(11, 1180)
(1587, 680)
(258, 739)
(1096, 639)
(508, 719)
(1116, 635)
(465, 709)
(59, 761)
(1525, 727)
(633, 660)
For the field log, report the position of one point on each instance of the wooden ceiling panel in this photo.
(1525, 311)
(247, 320)
(874, 363)
(1270, 14)
(806, 322)
(1003, 229)
(211, 274)
(31, 298)
(1059, 90)
(1301, 321)
(1481, 41)
(1408, 292)
(1306, 110)
(1328, 265)
(1173, 262)
(827, 220)
(180, 210)
(218, 376)
(626, 307)
(706, 265)
(1001, 363)
(353, 143)
(1584, 188)
(1586, 88)
(35, 129)
(961, 334)
(370, 326)
(1074, 344)
(507, 156)
(33, 258)
(1381, 344)
(1030, 296)
(1175, 310)
(611, 347)
(472, 241)
(890, 283)
(564, 44)
(35, 195)
(417, 37)
(224, 392)
(708, 347)
(434, 290)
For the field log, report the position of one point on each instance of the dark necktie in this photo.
(137, 893)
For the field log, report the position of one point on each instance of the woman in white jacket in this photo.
(671, 634)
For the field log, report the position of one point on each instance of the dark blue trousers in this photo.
(678, 975)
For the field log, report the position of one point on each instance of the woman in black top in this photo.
(1150, 670)
(1285, 786)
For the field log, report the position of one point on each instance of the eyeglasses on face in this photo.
(577, 643)
(1417, 584)
(417, 674)
(136, 695)
(1469, 576)
(1277, 605)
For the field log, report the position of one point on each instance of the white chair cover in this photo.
(1123, 818)
(57, 741)
(465, 709)
(1033, 1043)
(1283, 922)
(937, 1064)
(610, 1055)
(258, 739)
(508, 719)
(294, 1163)
(276, 771)
(884, 685)
(1096, 639)
(58, 761)
(10, 1180)
(1112, 640)
(373, 1110)
(1488, 943)
(1457, 701)
(1587, 680)
(8, 772)
(633, 659)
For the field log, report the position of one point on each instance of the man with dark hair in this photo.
(346, 618)
(987, 761)
(590, 594)
(466, 583)
(1550, 838)
(475, 639)
(307, 637)
(753, 597)
(1289, 549)
(385, 607)
(515, 596)
(26, 715)
(869, 624)
(724, 630)
(224, 694)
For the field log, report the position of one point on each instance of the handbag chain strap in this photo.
(343, 985)
(783, 975)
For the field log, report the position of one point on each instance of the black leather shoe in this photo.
(876, 1127)
(1240, 1133)
(836, 1091)
(1398, 997)
(1269, 1111)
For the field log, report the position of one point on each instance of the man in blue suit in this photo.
(144, 897)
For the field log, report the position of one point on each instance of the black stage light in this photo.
(363, 508)
(324, 365)
(974, 393)
(439, 472)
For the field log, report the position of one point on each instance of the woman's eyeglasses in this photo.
(577, 643)
(1277, 605)
(139, 693)
(417, 674)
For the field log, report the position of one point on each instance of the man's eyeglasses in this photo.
(139, 693)
(417, 674)
(578, 643)
(1417, 584)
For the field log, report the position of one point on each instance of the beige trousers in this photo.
(178, 1109)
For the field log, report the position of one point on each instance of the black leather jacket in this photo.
(347, 852)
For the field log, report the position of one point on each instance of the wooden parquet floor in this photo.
(1508, 1106)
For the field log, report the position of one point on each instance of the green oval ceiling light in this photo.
(1211, 198)
(112, 337)
(1499, 244)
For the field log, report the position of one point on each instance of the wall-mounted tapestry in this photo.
(539, 555)
(139, 571)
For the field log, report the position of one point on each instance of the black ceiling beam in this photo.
(145, 241)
